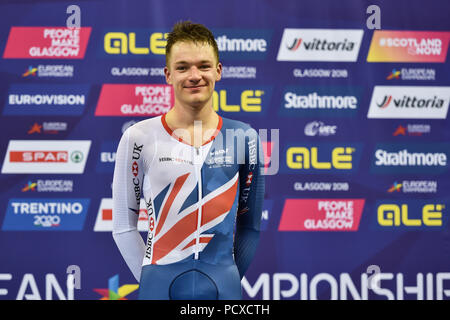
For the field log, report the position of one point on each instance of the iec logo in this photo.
(308, 101)
(244, 100)
(407, 215)
(418, 158)
(45, 214)
(46, 99)
(322, 158)
(114, 292)
(240, 44)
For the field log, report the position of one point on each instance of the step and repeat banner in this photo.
(351, 99)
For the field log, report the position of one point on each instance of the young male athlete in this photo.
(200, 176)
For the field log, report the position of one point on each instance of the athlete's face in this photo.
(193, 71)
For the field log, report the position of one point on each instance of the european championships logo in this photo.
(114, 292)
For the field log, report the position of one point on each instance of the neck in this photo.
(181, 116)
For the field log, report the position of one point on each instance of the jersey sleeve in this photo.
(127, 186)
(251, 197)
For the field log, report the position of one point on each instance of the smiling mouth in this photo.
(195, 87)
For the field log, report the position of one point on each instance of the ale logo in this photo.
(323, 157)
(414, 214)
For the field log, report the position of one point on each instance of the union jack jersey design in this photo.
(204, 208)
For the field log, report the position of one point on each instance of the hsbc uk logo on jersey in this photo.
(46, 156)
(136, 100)
(45, 214)
(320, 45)
(321, 215)
(409, 102)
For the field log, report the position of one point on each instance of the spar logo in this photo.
(321, 215)
(47, 43)
(411, 215)
(322, 158)
(310, 101)
(104, 221)
(409, 102)
(416, 158)
(138, 100)
(408, 46)
(45, 214)
(45, 99)
(46, 156)
(320, 45)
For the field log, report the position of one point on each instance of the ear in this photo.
(219, 71)
(168, 74)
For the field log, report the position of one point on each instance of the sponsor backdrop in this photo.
(356, 203)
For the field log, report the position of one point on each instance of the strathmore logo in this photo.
(395, 158)
(320, 45)
(134, 100)
(321, 215)
(46, 156)
(47, 43)
(409, 102)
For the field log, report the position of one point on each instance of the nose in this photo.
(194, 74)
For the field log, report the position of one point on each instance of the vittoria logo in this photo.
(409, 102)
(320, 45)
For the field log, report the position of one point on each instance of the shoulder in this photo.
(143, 128)
(236, 124)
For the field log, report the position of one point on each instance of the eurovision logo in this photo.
(46, 99)
(321, 215)
(47, 43)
